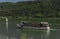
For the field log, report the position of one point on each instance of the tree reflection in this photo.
(30, 34)
(41, 34)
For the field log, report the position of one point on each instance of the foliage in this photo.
(34, 9)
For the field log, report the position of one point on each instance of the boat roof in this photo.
(44, 22)
(26, 21)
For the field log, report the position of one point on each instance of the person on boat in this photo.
(22, 24)
(41, 25)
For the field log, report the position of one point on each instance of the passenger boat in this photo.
(33, 25)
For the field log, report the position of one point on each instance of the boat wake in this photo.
(54, 29)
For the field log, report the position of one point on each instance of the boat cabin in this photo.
(32, 24)
(44, 24)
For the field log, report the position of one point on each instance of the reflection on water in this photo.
(20, 34)
(14, 33)
(33, 34)
(29, 34)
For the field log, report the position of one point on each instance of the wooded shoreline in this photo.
(31, 9)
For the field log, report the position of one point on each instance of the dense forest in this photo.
(32, 9)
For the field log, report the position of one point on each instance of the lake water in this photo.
(14, 33)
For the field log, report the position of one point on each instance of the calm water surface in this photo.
(14, 33)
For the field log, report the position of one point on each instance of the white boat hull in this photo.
(35, 27)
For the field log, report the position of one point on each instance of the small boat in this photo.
(33, 25)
